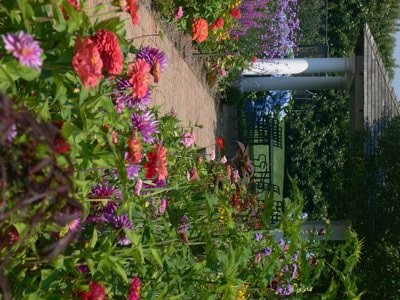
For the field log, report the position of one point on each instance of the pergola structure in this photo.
(373, 101)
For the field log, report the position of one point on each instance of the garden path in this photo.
(182, 85)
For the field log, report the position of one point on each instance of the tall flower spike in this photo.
(25, 48)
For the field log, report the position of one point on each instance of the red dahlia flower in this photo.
(156, 167)
(140, 79)
(218, 23)
(110, 51)
(235, 13)
(87, 62)
(219, 142)
(62, 146)
(199, 30)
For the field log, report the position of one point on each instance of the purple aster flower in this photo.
(146, 124)
(155, 58)
(95, 219)
(25, 48)
(184, 224)
(285, 291)
(104, 190)
(75, 225)
(122, 222)
(296, 255)
(153, 55)
(259, 236)
(267, 251)
(11, 133)
(110, 208)
(82, 268)
(132, 171)
(294, 270)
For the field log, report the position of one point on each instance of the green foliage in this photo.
(312, 21)
(315, 141)
(347, 18)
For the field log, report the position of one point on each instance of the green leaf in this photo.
(332, 291)
(112, 24)
(119, 269)
(157, 256)
(6, 81)
(93, 240)
(44, 112)
(25, 72)
(58, 19)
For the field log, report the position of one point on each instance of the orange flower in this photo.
(110, 51)
(140, 79)
(135, 150)
(87, 62)
(156, 167)
(199, 30)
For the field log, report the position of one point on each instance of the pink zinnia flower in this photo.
(133, 9)
(236, 176)
(140, 80)
(192, 174)
(134, 289)
(179, 13)
(212, 155)
(163, 206)
(110, 51)
(87, 62)
(138, 186)
(188, 139)
(25, 48)
(96, 292)
(224, 160)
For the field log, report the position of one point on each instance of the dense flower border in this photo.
(112, 198)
